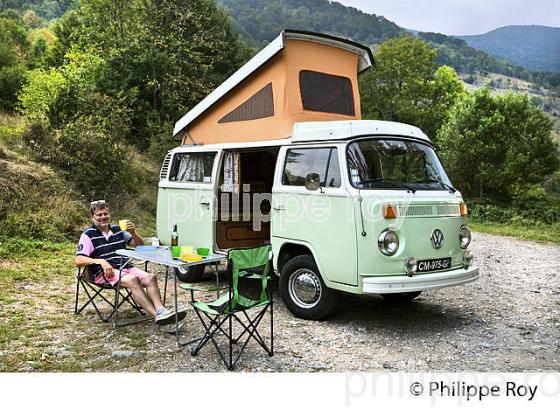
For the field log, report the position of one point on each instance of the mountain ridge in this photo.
(535, 47)
(261, 20)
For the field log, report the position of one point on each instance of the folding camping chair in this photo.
(237, 306)
(95, 293)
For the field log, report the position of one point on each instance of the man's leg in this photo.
(136, 288)
(164, 316)
(152, 289)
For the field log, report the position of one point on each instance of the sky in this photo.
(456, 17)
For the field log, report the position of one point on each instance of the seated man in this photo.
(97, 246)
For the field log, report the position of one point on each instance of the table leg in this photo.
(176, 307)
(217, 280)
(117, 295)
(165, 285)
(179, 343)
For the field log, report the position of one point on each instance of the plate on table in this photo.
(191, 258)
(146, 248)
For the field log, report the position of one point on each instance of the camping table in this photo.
(163, 257)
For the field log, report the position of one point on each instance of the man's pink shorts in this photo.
(100, 279)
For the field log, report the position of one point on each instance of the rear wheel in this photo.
(192, 274)
(303, 291)
(401, 297)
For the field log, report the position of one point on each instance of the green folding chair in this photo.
(237, 306)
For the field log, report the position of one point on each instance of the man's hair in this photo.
(95, 205)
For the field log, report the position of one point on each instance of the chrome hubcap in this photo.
(305, 288)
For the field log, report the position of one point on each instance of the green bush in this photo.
(490, 213)
(551, 184)
(12, 79)
(91, 159)
(497, 146)
(78, 129)
(542, 210)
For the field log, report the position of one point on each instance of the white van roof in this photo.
(336, 130)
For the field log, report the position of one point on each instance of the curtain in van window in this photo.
(191, 168)
(231, 172)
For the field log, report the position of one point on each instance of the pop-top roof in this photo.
(250, 79)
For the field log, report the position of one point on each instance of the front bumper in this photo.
(425, 281)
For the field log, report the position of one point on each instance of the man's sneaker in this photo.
(168, 316)
(170, 328)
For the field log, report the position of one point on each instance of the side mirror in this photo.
(312, 181)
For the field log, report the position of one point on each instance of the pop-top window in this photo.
(322, 161)
(326, 93)
(260, 105)
(192, 167)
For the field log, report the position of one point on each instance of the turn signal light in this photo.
(463, 209)
(389, 211)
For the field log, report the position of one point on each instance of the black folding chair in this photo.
(238, 306)
(96, 296)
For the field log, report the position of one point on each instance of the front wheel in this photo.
(192, 274)
(401, 297)
(303, 291)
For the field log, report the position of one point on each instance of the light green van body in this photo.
(338, 226)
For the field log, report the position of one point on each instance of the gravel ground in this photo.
(507, 321)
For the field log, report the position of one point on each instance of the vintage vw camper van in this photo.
(278, 154)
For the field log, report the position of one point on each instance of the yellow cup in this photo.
(187, 249)
(122, 224)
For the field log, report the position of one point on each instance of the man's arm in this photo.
(135, 238)
(81, 261)
(82, 258)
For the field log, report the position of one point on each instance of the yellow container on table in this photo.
(190, 257)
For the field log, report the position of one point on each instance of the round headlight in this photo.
(464, 237)
(388, 242)
(468, 258)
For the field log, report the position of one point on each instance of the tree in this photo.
(405, 85)
(12, 70)
(163, 55)
(497, 146)
(124, 72)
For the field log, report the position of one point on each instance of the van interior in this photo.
(248, 204)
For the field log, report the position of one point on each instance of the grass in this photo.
(537, 232)
(37, 321)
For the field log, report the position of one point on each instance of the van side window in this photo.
(322, 161)
(192, 167)
(326, 93)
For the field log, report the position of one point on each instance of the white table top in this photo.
(163, 257)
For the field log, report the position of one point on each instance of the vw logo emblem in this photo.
(437, 238)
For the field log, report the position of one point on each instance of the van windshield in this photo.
(395, 164)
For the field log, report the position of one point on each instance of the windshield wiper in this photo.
(435, 181)
(394, 182)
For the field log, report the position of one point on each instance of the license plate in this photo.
(434, 264)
